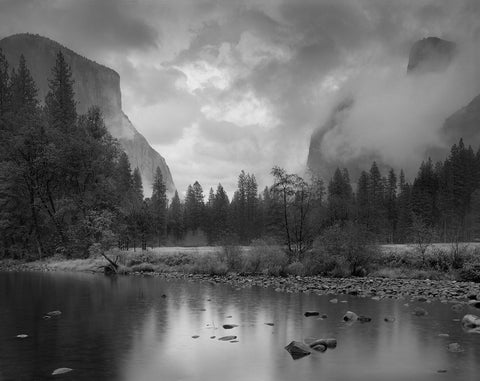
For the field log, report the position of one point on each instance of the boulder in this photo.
(22, 336)
(54, 313)
(298, 350)
(311, 313)
(454, 348)
(471, 321)
(334, 300)
(474, 303)
(270, 324)
(319, 347)
(328, 343)
(227, 338)
(457, 307)
(350, 316)
(389, 319)
(229, 326)
(364, 319)
(61, 371)
(418, 311)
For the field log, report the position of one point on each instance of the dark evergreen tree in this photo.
(175, 219)
(159, 207)
(59, 102)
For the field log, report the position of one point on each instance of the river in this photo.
(141, 328)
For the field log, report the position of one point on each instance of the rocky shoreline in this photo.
(370, 287)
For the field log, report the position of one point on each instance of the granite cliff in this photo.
(95, 84)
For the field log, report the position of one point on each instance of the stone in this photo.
(229, 326)
(443, 335)
(61, 371)
(334, 300)
(54, 313)
(227, 338)
(212, 337)
(298, 350)
(457, 307)
(328, 343)
(474, 303)
(234, 341)
(195, 337)
(270, 324)
(455, 348)
(418, 311)
(364, 319)
(319, 347)
(471, 321)
(389, 319)
(350, 316)
(442, 371)
(311, 313)
(22, 336)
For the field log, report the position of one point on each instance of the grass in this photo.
(390, 261)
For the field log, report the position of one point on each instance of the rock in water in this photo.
(22, 336)
(319, 347)
(389, 319)
(270, 324)
(418, 311)
(350, 316)
(454, 348)
(229, 326)
(471, 323)
(54, 313)
(457, 307)
(61, 371)
(298, 350)
(195, 337)
(328, 343)
(311, 313)
(474, 303)
(364, 319)
(227, 338)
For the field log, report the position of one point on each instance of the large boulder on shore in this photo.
(350, 316)
(298, 349)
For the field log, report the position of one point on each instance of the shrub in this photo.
(470, 273)
(344, 250)
(266, 257)
(231, 256)
(295, 268)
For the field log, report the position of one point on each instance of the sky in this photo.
(222, 86)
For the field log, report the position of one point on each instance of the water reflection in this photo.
(123, 329)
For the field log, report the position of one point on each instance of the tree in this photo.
(175, 218)
(296, 196)
(5, 93)
(159, 207)
(59, 102)
(340, 197)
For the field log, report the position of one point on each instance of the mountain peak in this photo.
(431, 54)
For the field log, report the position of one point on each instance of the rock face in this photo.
(464, 124)
(431, 54)
(95, 84)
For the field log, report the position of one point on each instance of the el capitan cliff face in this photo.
(95, 84)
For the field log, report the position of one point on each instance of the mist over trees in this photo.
(67, 188)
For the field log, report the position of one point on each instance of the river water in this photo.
(141, 328)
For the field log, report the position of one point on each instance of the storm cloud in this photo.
(218, 87)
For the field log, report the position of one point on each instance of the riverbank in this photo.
(176, 266)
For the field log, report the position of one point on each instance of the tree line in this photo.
(66, 187)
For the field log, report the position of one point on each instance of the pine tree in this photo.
(340, 197)
(175, 218)
(137, 186)
(59, 102)
(5, 94)
(159, 207)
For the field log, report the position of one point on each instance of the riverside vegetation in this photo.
(68, 192)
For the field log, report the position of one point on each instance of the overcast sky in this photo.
(221, 86)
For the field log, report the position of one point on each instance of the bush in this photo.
(265, 257)
(344, 251)
(295, 268)
(231, 256)
(470, 273)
